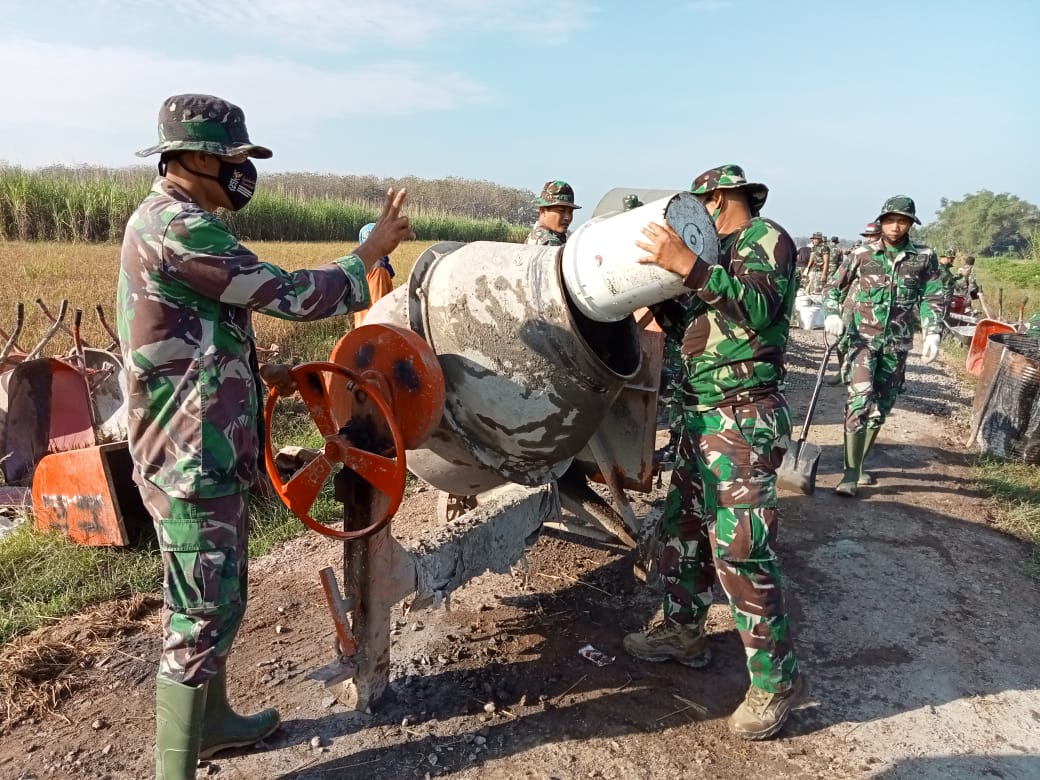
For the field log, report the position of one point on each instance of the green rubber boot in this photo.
(178, 729)
(854, 445)
(223, 728)
(865, 477)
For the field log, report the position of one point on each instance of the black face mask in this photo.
(238, 180)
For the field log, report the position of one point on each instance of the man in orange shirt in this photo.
(380, 278)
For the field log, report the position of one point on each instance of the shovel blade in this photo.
(797, 472)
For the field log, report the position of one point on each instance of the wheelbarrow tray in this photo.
(977, 350)
(89, 495)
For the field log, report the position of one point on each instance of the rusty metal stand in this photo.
(380, 572)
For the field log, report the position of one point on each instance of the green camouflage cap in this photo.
(731, 177)
(817, 234)
(556, 193)
(203, 123)
(631, 202)
(900, 204)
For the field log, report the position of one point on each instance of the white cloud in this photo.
(341, 25)
(91, 89)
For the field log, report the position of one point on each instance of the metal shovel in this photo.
(797, 472)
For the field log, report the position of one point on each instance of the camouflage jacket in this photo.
(966, 285)
(948, 280)
(816, 261)
(545, 237)
(888, 297)
(187, 288)
(734, 326)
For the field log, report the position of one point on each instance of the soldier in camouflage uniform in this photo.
(837, 254)
(721, 517)
(187, 290)
(816, 270)
(893, 284)
(967, 284)
(948, 280)
(872, 232)
(555, 214)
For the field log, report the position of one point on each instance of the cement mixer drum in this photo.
(528, 377)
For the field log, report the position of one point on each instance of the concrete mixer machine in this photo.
(509, 372)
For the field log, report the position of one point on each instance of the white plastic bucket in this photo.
(600, 268)
(810, 315)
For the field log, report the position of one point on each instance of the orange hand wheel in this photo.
(386, 474)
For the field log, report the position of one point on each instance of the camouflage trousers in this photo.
(721, 519)
(815, 283)
(671, 384)
(205, 570)
(874, 378)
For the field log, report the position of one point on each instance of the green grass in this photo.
(1018, 278)
(43, 577)
(1016, 487)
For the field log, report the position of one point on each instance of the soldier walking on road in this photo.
(555, 214)
(893, 283)
(187, 290)
(721, 517)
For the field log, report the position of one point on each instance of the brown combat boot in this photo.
(667, 641)
(762, 714)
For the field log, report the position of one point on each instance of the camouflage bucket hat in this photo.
(731, 177)
(817, 234)
(556, 193)
(872, 229)
(899, 204)
(631, 202)
(203, 123)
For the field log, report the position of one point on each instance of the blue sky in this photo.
(834, 105)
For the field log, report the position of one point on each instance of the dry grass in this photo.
(40, 670)
(86, 274)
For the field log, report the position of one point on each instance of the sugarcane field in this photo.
(475, 430)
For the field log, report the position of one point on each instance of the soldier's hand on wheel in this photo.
(666, 249)
(834, 326)
(391, 229)
(930, 349)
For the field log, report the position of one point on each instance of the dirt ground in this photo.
(916, 629)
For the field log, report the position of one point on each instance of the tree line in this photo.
(986, 224)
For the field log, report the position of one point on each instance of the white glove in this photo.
(834, 326)
(930, 350)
